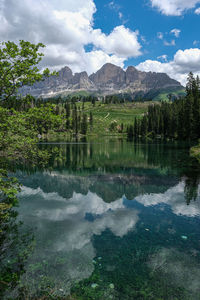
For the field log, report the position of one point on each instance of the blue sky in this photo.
(153, 35)
(139, 15)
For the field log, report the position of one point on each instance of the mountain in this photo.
(110, 79)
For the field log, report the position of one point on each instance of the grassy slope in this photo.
(104, 114)
(163, 96)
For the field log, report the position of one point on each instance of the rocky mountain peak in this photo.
(132, 74)
(109, 79)
(109, 73)
(66, 74)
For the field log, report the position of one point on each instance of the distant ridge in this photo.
(110, 79)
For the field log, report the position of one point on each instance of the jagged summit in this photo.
(108, 79)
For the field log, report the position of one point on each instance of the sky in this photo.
(152, 35)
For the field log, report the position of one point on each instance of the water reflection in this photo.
(174, 197)
(181, 269)
(103, 211)
(67, 227)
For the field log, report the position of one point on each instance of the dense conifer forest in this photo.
(179, 119)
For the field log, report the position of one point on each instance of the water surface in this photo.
(113, 220)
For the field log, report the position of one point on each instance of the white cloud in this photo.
(112, 5)
(176, 32)
(174, 7)
(94, 60)
(163, 57)
(172, 43)
(121, 41)
(196, 42)
(66, 30)
(184, 61)
(120, 15)
(197, 11)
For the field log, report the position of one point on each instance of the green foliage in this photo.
(21, 120)
(18, 66)
(43, 118)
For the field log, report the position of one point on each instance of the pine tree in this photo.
(67, 108)
(84, 124)
(135, 130)
(91, 119)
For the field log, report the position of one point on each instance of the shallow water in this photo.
(113, 220)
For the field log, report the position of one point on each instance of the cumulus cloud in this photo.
(183, 62)
(174, 7)
(66, 30)
(121, 41)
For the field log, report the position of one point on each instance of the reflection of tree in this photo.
(15, 247)
(112, 155)
(191, 188)
(123, 159)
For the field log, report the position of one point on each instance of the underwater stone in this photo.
(184, 237)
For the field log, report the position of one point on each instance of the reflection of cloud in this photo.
(64, 223)
(175, 198)
(114, 216)
(179, 268)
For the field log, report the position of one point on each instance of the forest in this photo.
(179, 119)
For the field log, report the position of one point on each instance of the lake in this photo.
(112, 219)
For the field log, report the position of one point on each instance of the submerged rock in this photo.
(111, 286)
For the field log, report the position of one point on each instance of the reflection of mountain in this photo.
(115, 168)
(108, 186)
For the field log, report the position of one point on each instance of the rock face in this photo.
(109, 76)
(109, 79)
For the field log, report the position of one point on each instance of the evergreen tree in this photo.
(84, 124)
(91, 119)
(178, 119)
(67, 108)
(135, 130)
